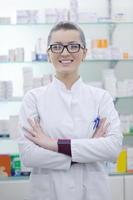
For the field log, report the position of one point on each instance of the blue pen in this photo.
(96, 122)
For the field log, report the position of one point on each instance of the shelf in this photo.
(4, 136)
(81, 23)
(20, 178)
(119, 100)
(123, 98)
(16, 178)
(13, 99)
(109, 60)
(128, 135)
(120, 174)
(25, 62)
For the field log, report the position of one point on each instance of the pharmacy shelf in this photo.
(124, 97)
(13, 99)
(128, 134)
(120, 173)
(128, 140)
(81, 23)
(18, 178)
(121, 100)
(25, 62)
(109, 60)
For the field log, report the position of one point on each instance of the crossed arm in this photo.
(38, 149)
(38, 136)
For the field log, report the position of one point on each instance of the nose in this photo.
(65, 51)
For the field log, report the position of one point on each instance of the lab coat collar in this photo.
(60, 85)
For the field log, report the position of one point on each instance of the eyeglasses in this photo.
(59, 48)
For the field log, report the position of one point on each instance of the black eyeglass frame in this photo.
(65, 46)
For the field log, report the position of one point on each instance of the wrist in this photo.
(52, 145)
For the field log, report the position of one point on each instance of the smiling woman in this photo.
(66, 53)
(61, 139)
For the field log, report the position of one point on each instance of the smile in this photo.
(65, 61)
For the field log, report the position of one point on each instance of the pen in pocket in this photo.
(96, 122)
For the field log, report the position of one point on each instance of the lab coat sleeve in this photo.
(104, 148)
(31, 154)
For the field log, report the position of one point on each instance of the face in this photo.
(66, 62)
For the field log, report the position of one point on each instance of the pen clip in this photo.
(96, 122)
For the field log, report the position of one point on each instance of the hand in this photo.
(101, 130)
(37, 135)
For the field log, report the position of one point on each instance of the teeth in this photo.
(65, 61)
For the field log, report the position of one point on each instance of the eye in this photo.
(56, 47)
(74, 46)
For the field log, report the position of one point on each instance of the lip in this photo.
(66, 62)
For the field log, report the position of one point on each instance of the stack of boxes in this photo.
(6, 90)
(11, 165)
(30, 82)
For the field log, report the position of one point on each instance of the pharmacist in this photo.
(68, 128)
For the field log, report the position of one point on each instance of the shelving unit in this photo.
(91, 70)
(88, 74)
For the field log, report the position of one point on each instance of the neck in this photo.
(68, 79)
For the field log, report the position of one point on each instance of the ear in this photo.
(48, 54)
(84, 54)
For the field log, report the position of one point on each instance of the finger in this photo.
(102, 122)
(36, 119)
(38, 127)
(99, 134)
(100, 126)
(103, 131)
(100, 131)
(104, 127)
(30, 137)
(37, 124)
(33, 124)
(31, 132)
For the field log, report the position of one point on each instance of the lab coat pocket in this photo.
(40, 187)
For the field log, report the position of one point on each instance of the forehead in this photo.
(65, 36)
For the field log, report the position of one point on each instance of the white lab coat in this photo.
(70, 114)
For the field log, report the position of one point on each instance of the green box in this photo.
(15, 165)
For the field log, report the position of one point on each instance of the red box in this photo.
(5, 165)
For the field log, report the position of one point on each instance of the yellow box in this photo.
(121, 165)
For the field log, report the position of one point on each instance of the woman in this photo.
(68, 129)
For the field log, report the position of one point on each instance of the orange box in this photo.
(104, 43)
(98, 43)
(5, 165)
(125, 55)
